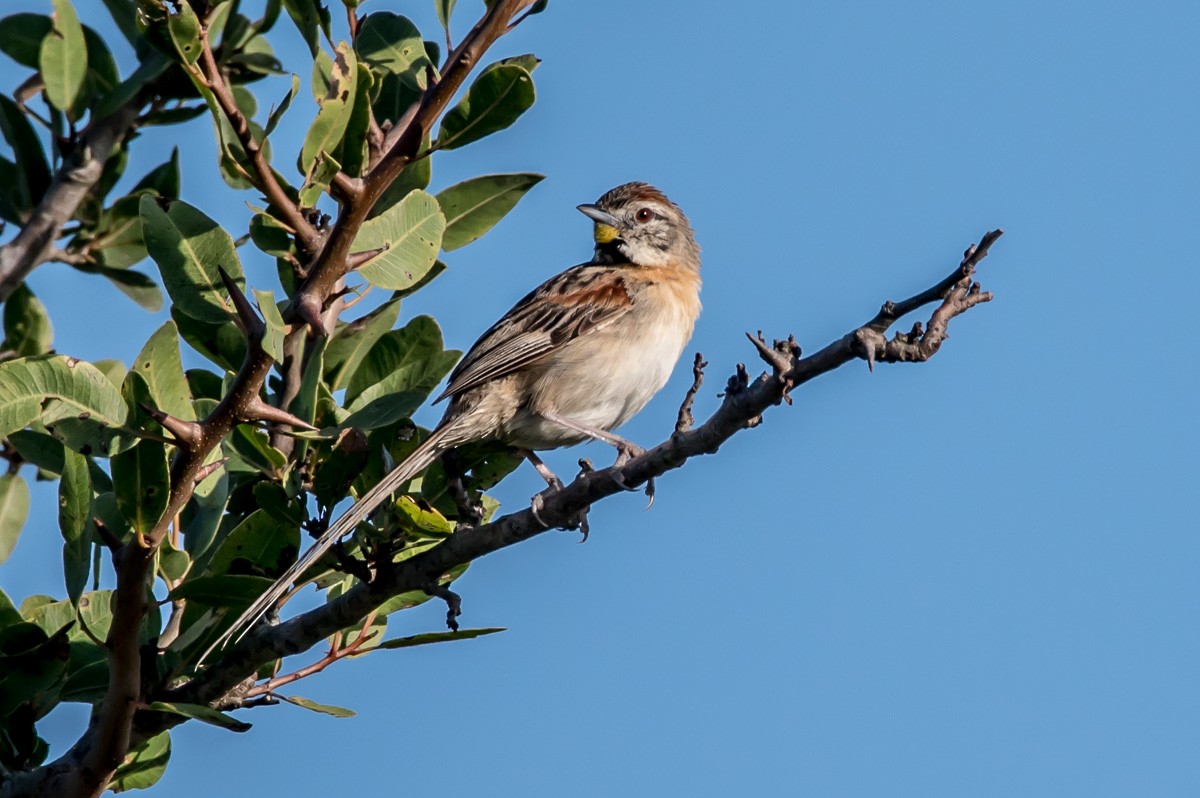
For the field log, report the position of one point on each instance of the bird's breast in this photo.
(604, 377)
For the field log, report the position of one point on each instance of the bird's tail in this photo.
(420, 459)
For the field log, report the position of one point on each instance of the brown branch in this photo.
(72, 183)
(306, 234)
(330, 265)
(335, 653)
(744, 403)
(685, 420)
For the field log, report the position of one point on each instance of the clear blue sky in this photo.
(974, 577)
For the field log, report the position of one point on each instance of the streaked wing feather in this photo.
(560, 310)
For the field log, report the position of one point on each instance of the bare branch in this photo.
(745, 401)
(685, 419)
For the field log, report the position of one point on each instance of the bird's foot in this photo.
(626, 451)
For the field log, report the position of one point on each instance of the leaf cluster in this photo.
(217, 471)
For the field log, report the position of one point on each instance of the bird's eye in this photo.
(644, 215)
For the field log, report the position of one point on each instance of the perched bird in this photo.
(573, 360)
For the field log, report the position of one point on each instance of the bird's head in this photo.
(637, 224)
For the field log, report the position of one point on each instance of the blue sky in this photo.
(976, 576)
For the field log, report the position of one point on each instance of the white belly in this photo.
(602, 379)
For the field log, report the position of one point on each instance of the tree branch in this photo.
(743, 405)
(330, 265)
(75, 178)
(309, 238)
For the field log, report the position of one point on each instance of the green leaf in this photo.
(409, 234)
(499, 95)
(277, 113)
(317, 181)
(528, 61)
(102, 74)
(275, 332)
(258, 546)
(27, 329)
(32, 668)
(423, 521)
(310, 16)
(351, 341)
(174, 563)
(271, 498)
(438, 637)
(62, 59)
(226, 590)
(184, 27)
(223, 343)
(124, 14)
(14, 508)
(335, 107)
(253, 445)
(162, 179)
(30, 173)
(143, 766)
(201, 713)
(21, 37)
(153, 65)
(444, 9)
(353, 152)
(390, 43)
(137, 286)
(38, 448)
(118, 235)
(188, 248)
(337, 472)
(326, 709)
(142, 483)
(473, 206)
(72, 398)
(8, 613)
(161, 366)
(74, 516)
(408, 359)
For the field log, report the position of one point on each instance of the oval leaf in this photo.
(14, 508)
(142, 484)
(409, 235)
(76, 402)
(74, 513)
(188, 248)
(473, 206)
(390, 43)
(498, 96)
(160, 365)
(62, 59)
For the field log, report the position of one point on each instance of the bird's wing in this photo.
(558, 311)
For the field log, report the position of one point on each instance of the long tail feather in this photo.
(414, 464)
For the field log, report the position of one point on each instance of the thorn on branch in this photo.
(737, 383)
(106, 535)
(258, 410)
(208, 470)
(187, 434)
(247, 320)
(685, 419)
(782, 357)
(358, 259)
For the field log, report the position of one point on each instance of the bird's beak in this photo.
(606, 224)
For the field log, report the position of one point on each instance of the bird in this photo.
(573, 360)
